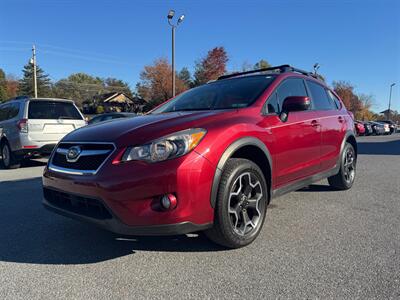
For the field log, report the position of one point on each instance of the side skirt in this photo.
(304, 182)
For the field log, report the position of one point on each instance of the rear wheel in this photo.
(241, 204)
(345, 178)
(7, 158)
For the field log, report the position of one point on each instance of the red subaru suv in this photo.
(210, 159)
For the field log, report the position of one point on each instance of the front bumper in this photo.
(130, 191)
(115, 225)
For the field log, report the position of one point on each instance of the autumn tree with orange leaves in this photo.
(156, 82)
(211, 66)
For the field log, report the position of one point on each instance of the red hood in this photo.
(137, 130)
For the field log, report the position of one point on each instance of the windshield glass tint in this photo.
(224, 94)
(53, 110)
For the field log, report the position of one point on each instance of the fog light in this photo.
(168, 202)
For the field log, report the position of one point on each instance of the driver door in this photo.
(296, 142)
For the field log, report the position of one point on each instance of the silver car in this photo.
(32, 126)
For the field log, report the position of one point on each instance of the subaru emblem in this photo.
(73, 153)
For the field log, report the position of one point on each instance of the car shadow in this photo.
(317, 188)
(31, 234)
(29, 163)
(379, 148)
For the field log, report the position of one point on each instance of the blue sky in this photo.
(353, 40)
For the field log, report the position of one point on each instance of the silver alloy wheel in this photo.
(349, 165)
(5, 153)
(244, 203)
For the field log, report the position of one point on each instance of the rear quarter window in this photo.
(53, 110)
(9, 111)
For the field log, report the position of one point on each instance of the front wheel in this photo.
(347, 173)
(241, 204)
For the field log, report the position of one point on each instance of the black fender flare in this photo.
(348, 134)
(246, 141)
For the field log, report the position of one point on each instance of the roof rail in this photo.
(281, 69)
(18, 98)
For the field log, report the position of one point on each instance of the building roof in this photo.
(386, 111)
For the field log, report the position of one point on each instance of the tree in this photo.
(246, 66)
(84, 87)
(156, 82)
(26, 85)
(12, 86)
(365, 112)
(185, 76)
(345, 90)
(211, 66)
(3, 86)
(262, 64)
(79, 87)
(117, 85)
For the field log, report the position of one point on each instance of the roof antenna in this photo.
(316, 67)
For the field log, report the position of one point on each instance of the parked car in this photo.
(368, 128)
(377, 128)
(385, 127)
(359, 126)
(210, 159)
(30, 126)
(110, 116)
(391, 124)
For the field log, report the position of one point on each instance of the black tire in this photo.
(8, 159)
(250, 204)
(345, 178)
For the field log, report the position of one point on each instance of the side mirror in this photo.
(294, 103)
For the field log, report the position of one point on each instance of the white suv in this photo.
(32, 126)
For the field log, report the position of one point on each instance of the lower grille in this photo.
(80, 205)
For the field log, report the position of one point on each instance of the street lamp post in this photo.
(170, 16)
(390, 98)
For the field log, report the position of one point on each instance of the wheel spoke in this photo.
(234, 211)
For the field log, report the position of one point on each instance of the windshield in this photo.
(53, 110)
(224, 94)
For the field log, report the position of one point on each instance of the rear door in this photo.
(8, 123)
(332, 123)
(50, 120)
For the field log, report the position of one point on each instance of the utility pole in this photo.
(34, 70)
(173, 61)
(170, 15)
(390, 99)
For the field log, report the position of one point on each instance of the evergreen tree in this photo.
(26, 85)
(185, 76)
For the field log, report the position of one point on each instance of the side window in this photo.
(273, 104)
(335, 100)
(319, 96)
(13, 111)
(291, 87)
(4, 112)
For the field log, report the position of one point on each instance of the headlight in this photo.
(167, 147)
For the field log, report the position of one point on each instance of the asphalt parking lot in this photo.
(316, 243)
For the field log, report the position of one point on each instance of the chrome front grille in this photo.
(86, 158)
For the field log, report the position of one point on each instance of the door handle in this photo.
(314, 123)
(340, 119)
